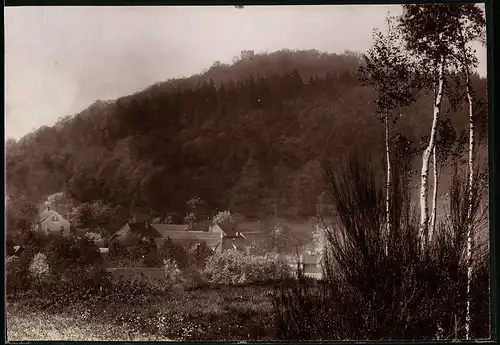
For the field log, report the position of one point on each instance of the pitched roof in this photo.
(46, 214)
(164, 228)
(191, 235)
(256, 236)
(213, 240)
(141, 229)
(229, 229)
(202, 226)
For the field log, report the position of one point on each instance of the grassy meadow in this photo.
(227, 313)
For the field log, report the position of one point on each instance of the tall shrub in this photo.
(75, 261)
(407, 294)
(233, 267)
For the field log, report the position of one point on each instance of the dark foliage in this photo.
(199, 255)
(73, 261)
(134, 251)
(247, 136)
(9, 245)
(174, 252)
(253, 142)
(21, 214)
(17, 275)
(369, 295)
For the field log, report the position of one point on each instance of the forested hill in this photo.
(249, 136)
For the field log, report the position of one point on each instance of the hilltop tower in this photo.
(247, 54)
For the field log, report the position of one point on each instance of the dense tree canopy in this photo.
(251, 137)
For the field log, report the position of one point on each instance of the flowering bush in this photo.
(96, 238)
(39, 269)
(18, 274)
(172, 272)
(223, 217)
(237, 268)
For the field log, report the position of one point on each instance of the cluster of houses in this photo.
(218, 237)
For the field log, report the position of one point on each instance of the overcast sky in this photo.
(59, 60)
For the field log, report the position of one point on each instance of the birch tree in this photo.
(448, 145)
(389, 70)
(440, 34)
(428, 33)
(470, 25)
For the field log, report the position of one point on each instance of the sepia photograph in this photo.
(247, 173)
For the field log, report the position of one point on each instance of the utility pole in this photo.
(198, 255)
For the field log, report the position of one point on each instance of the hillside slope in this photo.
(250, 137)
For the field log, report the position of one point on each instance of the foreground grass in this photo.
(207, 314)
(23, 325)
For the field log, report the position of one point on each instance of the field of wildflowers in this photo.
(226, 313)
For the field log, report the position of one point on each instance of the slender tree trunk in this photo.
(424, 177)
(470, 184)
(388, 184)
(432, 226)
(470, 197)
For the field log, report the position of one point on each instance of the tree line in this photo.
(255, 144)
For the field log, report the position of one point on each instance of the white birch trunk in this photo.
(470, 217)
(424, 177)
(432, 226)
(388, 185)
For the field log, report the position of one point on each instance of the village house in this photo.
(240, 236)
(177, 233)
(143, 229)
(231, 238)
(191, 238)
(311, 265)
(52, 222)
(218, 237)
